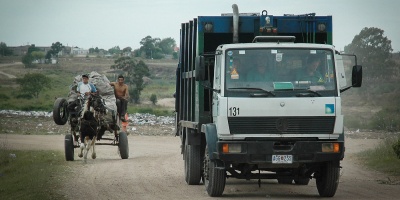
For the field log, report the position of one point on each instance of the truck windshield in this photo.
(285, 72)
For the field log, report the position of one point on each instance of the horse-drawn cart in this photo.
(90, 117)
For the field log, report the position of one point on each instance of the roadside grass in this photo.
(151, 109)
(30, 174)
(60, 87)
(4, 153)
(162, 88)
(383, 158)
(356, 121)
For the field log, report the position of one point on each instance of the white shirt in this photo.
(83, 88)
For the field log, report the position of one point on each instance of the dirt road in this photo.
(6, 65)
(154, 170)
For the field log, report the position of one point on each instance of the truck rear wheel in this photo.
(327, 180)
(192, 164)
(214, 178)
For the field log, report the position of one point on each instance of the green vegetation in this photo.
(30, 174)
(383, 158)
(396, 148)
(163, 89)
(4, 50)
(151, 109)
(4, 97)
(135, 71)
(32, 84)
(45, 101)
(155, 48)
(153, 99)
(27, 60)
(376, 105)
(55, 49)
(160, 82)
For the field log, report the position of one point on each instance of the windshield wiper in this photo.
(254, 95)
(309, 93)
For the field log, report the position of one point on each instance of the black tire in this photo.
(192, 164)
(60, 111)
(328, 180)
(123, 145)
(69, 147)
(285, 180)
(302, 181)
(214, 179)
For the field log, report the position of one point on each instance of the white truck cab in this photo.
(272, 90)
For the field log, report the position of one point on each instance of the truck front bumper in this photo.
(261, 152)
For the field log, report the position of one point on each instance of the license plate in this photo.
(278, 159)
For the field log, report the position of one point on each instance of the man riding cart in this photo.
(90, 110)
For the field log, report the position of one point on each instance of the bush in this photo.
(175, 55)
(387, 119)
(396, 148)
(24, 96)
(153, 99)
(135, 95)
(4, 97)
(382, 157)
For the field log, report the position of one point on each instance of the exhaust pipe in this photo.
(235, 23)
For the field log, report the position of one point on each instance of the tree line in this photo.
(150, 48)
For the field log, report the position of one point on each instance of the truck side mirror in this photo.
(356, 76)
(200, 69)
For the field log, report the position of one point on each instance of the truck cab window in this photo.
(284, 70)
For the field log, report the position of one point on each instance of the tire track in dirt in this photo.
(6, 65)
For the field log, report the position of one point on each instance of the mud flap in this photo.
(210, 131)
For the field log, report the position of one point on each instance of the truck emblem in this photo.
(282, 104)
(281, 124)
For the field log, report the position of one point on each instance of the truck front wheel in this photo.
(192, 164)
(328, 179)
(214, 177)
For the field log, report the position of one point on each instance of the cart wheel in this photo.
(69, 147)
(123, 145)
(60, 111)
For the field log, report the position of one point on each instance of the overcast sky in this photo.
(123, 23)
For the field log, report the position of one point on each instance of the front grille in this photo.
(281, 125)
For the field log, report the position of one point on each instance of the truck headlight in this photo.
(231, 148)
(330, 147)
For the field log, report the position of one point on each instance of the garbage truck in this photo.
(258, 97)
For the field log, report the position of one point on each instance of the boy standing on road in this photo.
(122, 95)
